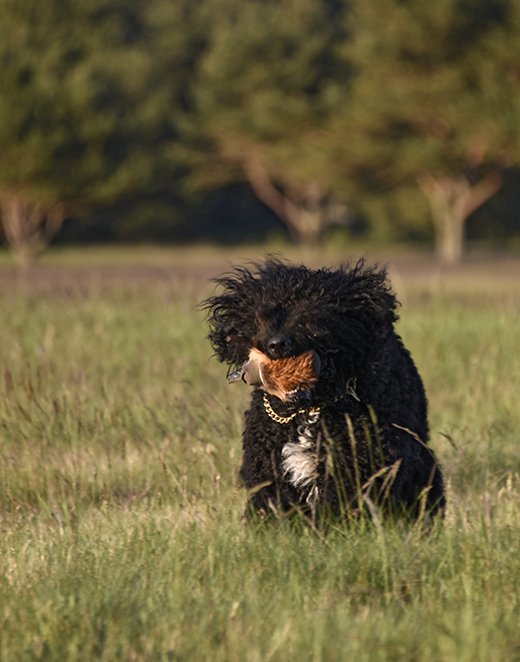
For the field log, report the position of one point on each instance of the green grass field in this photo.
(121, 515)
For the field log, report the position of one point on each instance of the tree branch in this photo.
(265, 190)
(481, 192)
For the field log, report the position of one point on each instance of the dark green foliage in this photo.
(320, 105)
(79, 105)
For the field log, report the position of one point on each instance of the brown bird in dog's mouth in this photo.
(285, 378)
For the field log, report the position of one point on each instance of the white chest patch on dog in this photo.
(300, 459)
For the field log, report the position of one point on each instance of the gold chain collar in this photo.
(285, 419)
(351, 390)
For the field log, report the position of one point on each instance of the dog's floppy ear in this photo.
(230, 345)
(231, 316)
(369, 296)
(360, 315)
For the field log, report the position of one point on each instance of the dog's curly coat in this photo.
(299, 447)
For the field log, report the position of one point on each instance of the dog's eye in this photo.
(320, 333)
(311, 330)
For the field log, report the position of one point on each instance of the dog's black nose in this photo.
(279, 347)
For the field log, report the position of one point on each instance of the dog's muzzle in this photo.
(279, 347)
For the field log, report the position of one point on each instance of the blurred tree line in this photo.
(401, 117)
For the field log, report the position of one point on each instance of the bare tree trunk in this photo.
(303, 209)
(265, 190)
(28, 226)
(452, 201)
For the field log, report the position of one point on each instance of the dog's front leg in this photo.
(261, 474)
(262, 470)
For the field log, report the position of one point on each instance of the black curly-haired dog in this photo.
(338, 418)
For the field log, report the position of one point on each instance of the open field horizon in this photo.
(112, 264)
(120, 511)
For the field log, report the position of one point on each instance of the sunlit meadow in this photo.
(121, 515)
